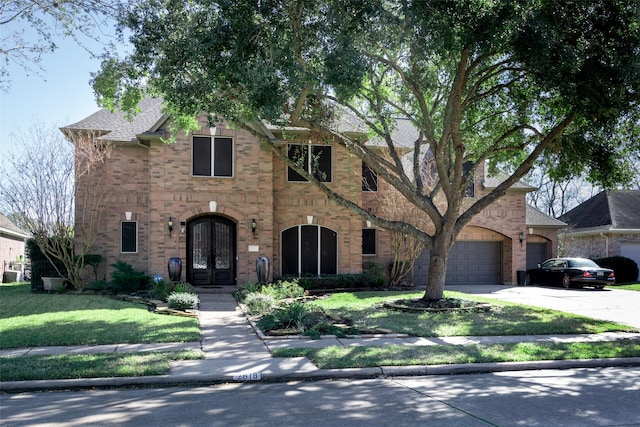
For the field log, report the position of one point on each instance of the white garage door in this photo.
(470, 263)
(631, 250)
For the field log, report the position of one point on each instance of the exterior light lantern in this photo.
(254, 225)
(170, 225)
(521, 237)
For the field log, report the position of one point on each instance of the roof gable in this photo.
(608, 209)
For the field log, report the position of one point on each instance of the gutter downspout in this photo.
(606, 243)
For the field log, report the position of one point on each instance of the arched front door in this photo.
(211, 251)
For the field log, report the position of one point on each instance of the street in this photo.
(576, 397)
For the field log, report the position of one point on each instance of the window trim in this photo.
(309, 147)
(212, 140)
(122, 251)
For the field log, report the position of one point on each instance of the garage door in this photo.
(536, 254)
(469, 263)
(631, 250)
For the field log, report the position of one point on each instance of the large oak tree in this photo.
(483, 81)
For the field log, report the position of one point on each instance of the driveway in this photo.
(616, 305)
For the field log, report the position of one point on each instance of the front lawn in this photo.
(41, 319)
(364, 309)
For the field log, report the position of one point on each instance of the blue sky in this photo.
(61, 95)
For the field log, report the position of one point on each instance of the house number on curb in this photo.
(250, 376)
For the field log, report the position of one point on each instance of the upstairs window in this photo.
(369, 178)
(315, 159)
(128, 237)
(212, 156)
(468, 169)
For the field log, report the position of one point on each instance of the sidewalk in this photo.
(234, 352)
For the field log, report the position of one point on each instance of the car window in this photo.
(582, 263)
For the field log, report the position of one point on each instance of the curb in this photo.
(320, 374)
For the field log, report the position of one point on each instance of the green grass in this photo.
(39, 319)
(399, 355)
(364, 309)
(66, 366)
(629, 287)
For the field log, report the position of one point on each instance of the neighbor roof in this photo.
(9, 228)
(539, 219)
(609, 210)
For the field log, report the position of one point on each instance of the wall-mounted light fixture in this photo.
(170, 225)
(183, 224)
(254, 226)
(521, 237)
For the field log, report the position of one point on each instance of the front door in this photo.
(211, 251)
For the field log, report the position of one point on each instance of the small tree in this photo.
(38, 192)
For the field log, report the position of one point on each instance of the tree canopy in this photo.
(30, 28)
(481, 80)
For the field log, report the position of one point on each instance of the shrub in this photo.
(293, 315)
(375, 271)
(182, 300)
(625, 269)
(259, 304)
(160, 289)
(98, 285)
(184, 287)
(365, 280)
(125, 278)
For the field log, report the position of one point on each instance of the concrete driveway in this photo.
(616, 305)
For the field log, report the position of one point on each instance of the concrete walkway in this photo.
(234, 352)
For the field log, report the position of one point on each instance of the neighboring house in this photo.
(607, 224)
(230, 200)
(11, 250)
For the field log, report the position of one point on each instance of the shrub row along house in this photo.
(217, 199)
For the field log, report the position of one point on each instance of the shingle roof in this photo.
(8, 227)
(610, 209)
(539, 219)
(492, 181)
(116, 127)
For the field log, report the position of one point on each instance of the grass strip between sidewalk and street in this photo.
(100, 365)
(338, 357)
(628, 287)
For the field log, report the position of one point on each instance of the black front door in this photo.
(211, 251)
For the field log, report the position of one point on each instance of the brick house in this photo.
(230, 200)
(608, 224)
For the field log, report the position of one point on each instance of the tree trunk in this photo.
(438, 260)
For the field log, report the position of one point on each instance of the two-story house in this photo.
(218, 199)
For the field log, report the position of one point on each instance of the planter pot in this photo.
(175, 269)
(53, 283)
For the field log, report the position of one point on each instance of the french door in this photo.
(211, 251)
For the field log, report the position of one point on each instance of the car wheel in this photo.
(566, 281)
(528, 280)
(600, 287)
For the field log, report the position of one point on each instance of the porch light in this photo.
(521, 237)
(170, 225)
(254, 226)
